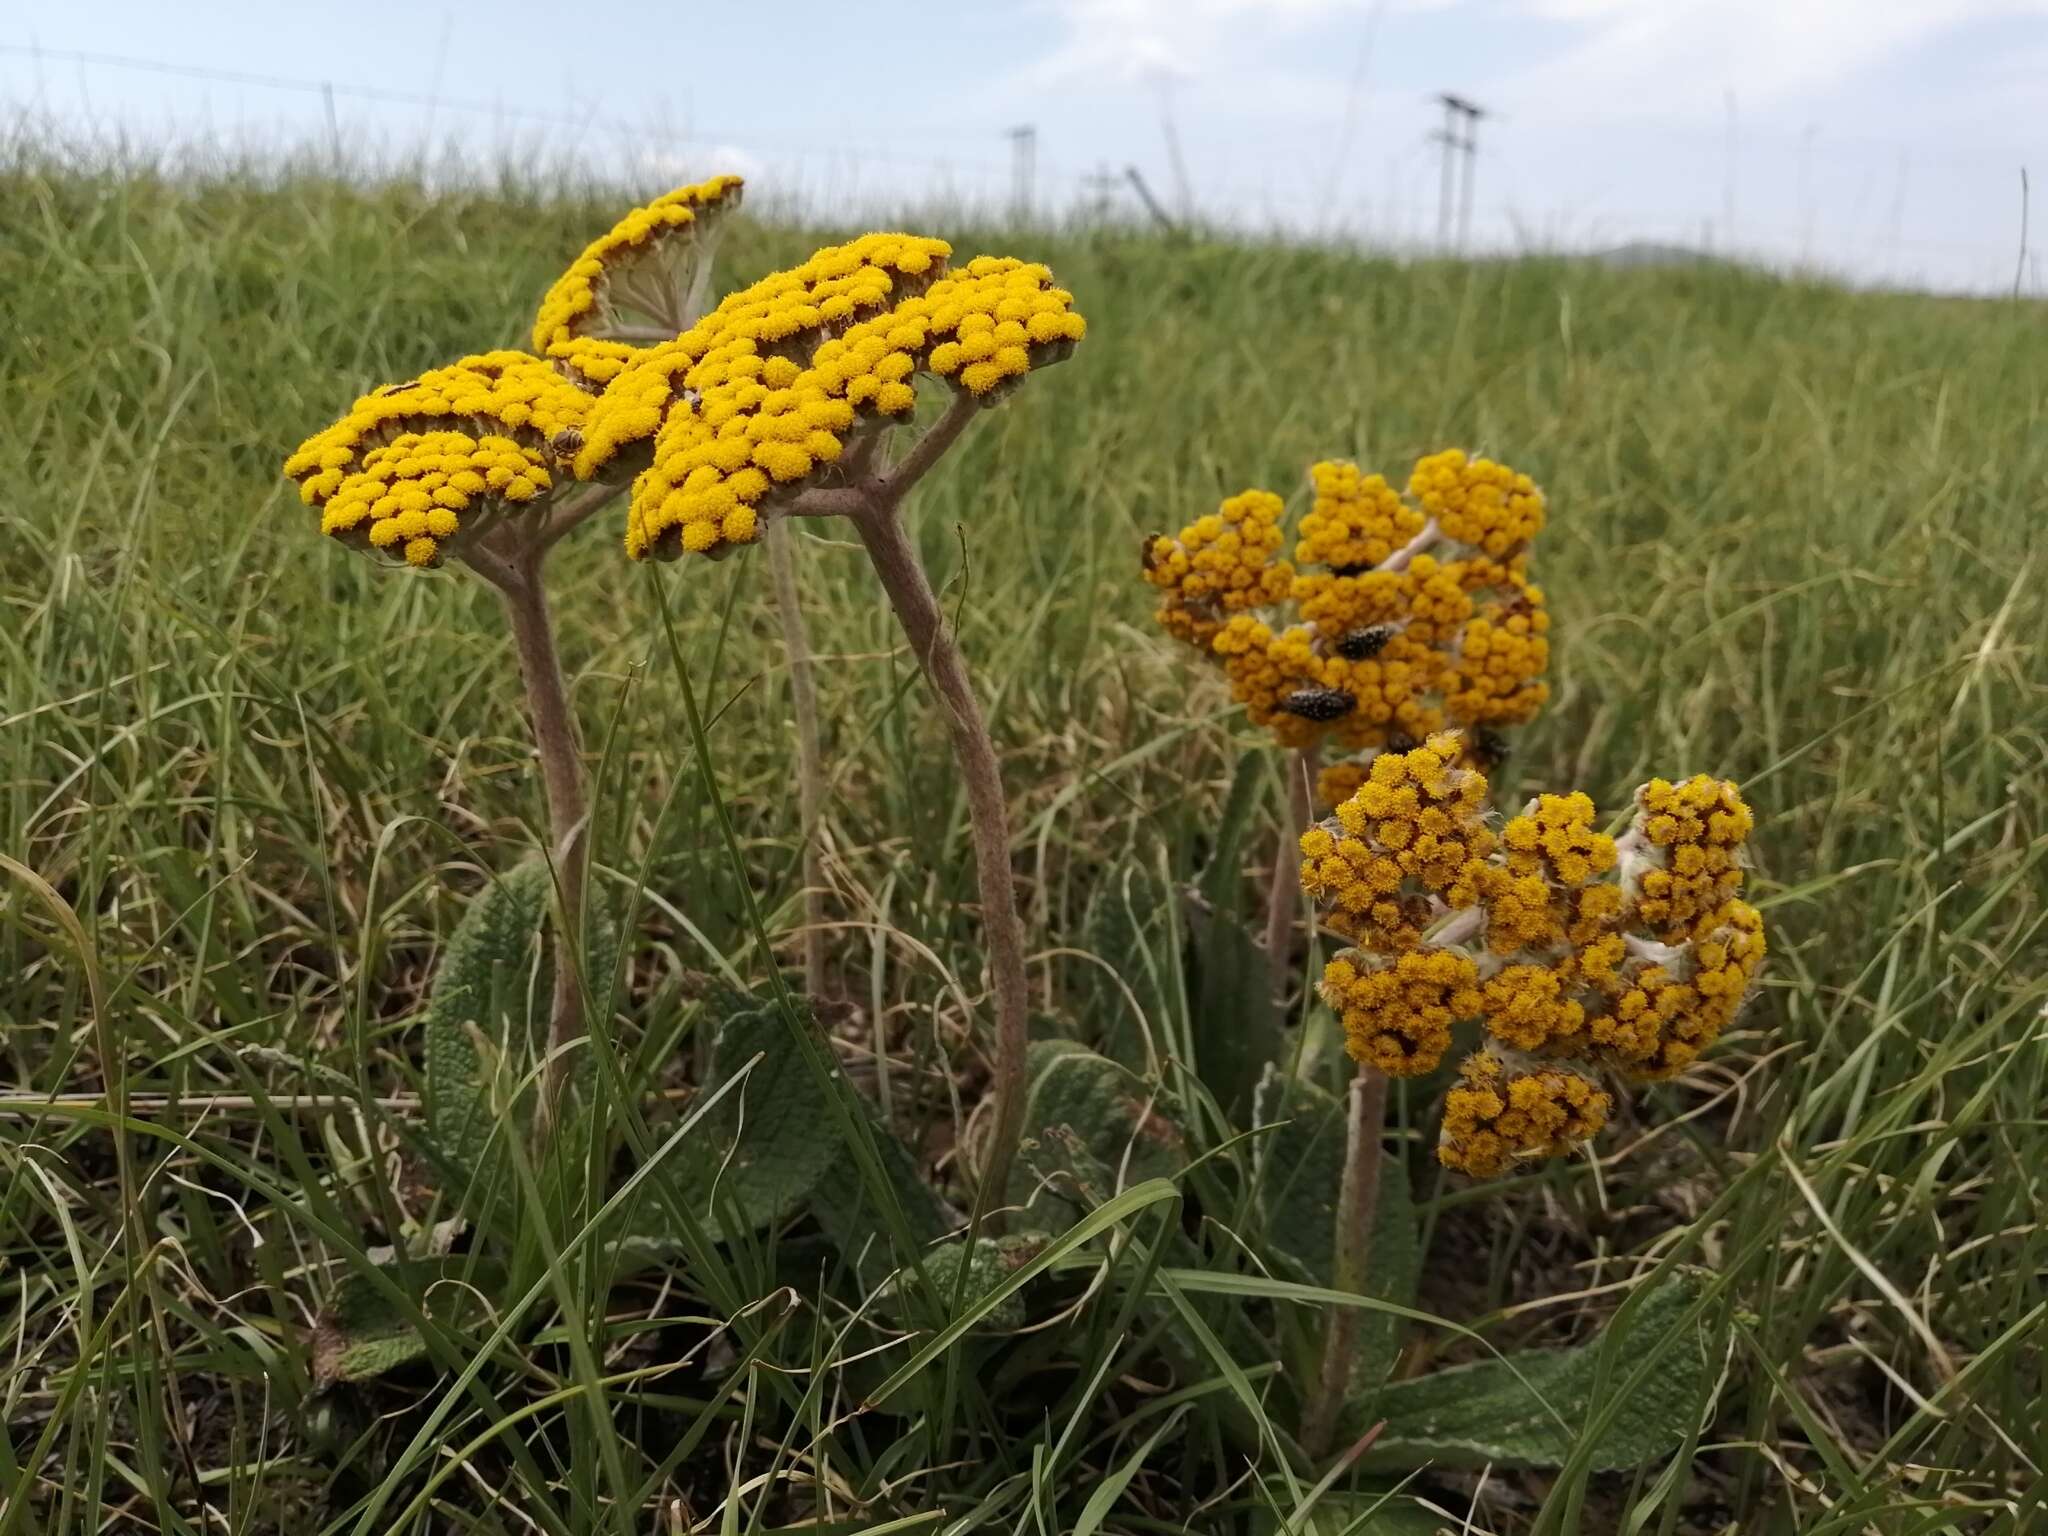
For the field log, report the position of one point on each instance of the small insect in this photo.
(1349, 570)
(566, 444)
(1489, 748)
(1319, 703)
(1148, 552)
(1399, 742)
(1363, 644)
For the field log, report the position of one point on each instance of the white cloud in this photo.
(1126, 40)
(1679, 58)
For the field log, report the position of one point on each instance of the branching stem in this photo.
(873, 501)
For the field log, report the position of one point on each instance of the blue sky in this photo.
(1879, 138)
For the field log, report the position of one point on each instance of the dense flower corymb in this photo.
(1499, 1115)
(409, 495)
(765, 394)
(1410, 845)
(1565, 945)
(1218, 565)
(410, 467)
(632, 268)
(1395, 618)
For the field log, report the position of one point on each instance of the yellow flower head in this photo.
(1399, 628)
(1356, 521)
(410, 466)
(1684, 852)
(630, 272)
(1410, 842)
(504, 392)
(1499, 659)
(779, 320)
(1549, 852)
(1531, 1008)
(765, 394)
(1478, 502)
(1670, 1003)
(1570, 967)
(1397, 1013)
(1500, 1114)
(1218, 565)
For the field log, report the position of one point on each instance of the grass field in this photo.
(1796, 538)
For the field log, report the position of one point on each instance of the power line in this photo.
(433, 101)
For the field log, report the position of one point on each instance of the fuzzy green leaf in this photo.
(1129, 991)
(1233, 1015)
(1469, 1415)
(760, 1152)
(490, 983)
(496, 980)
(989, 1261)
(1092, 1127)
(852, 1220)
(359, 1334)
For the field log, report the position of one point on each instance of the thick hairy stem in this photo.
(1357, 1200)
(810, 766)
(1283, 896)
(938, 653)
(561, 768)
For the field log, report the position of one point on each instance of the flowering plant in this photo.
(779, 401)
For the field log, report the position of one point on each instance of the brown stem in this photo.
(810, 766)
(1283, 896)
(1358, 1199)
(572, 509)
(864, 491)
(938, 654)
(561, 768)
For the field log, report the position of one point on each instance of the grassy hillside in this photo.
(1796, 538)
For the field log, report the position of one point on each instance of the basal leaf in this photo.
(1092, 1128)
(1233, 1017)
(1469, 1415)
(359, 1334)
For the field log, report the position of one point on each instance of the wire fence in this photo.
(1880, 212)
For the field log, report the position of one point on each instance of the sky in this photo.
(1880, 140)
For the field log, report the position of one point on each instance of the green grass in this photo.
(1796, 539)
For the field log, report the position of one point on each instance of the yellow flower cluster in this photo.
(1478, 502)
(1547, 933)
(752, 430)
(1499, 1114)
(1400, 629)
(783, 317)
(1659, 1019)
(411, 491)
(672, 227)
(995, 321)
(1398, 1012)
(1410, 843)
(1550, 851)
(1685, 845)
(1356, 520)
(1499, 660)
(493, 392)
(1218, 565)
